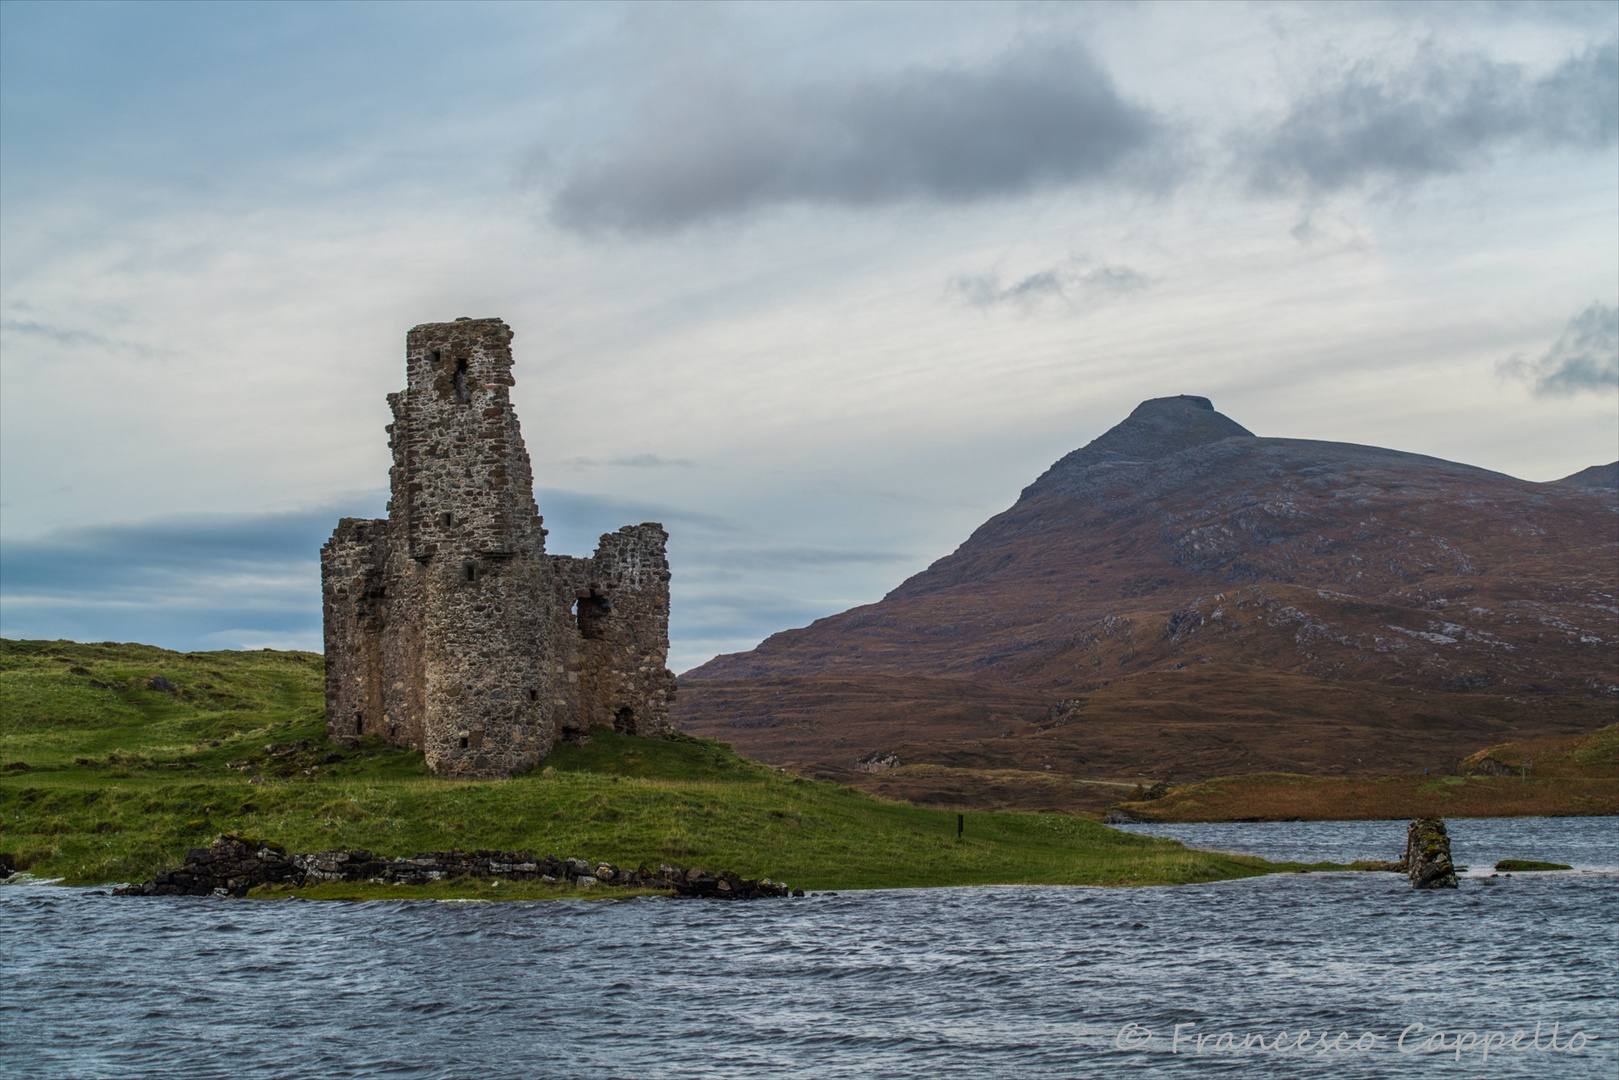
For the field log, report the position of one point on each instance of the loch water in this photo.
(1006, 981)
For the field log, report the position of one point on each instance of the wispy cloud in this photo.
(629, 461)
(1066, 282)
(192, 582)
(1437, 114)
(1030, 118)
(1585, 357)
(75, 337)
(785, 558)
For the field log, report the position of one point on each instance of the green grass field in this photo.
(114, 759)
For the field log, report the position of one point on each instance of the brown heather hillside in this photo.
(1567, 774)
(1183, 599)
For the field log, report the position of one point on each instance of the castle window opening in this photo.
(463, 396)
(446, 519)
(593, 612)
(469, 571)
(624, 720)
(359, 723)
(463, 742)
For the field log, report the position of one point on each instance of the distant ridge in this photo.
(1597, 476)
(1183, 597)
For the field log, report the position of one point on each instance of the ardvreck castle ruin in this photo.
(448, 627)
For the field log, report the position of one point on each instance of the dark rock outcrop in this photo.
(1427, 855)
(230, 866)
(233, 865)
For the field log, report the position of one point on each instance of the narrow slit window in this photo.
(469, 571)
(459, 381)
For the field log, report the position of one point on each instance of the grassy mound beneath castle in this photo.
(114, 759)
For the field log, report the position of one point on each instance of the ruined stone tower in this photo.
(448, 627)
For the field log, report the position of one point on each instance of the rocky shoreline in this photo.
(233, 865)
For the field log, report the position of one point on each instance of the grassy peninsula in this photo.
(114, 759)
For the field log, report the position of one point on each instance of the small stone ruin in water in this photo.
(1427, 855)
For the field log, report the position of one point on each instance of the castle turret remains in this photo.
(448, 627)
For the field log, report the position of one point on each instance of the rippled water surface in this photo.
(982, 982)
(1477, 843)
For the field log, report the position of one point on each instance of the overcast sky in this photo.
(820, 287)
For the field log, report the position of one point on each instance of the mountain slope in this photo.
(1597, 476)
(1417, 608)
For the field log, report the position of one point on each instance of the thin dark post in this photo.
(961, 825)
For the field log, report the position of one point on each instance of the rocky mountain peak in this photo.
(1157, 428)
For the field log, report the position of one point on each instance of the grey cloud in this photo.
(780, 558)
(1030, 118)
(718, 606)
(576, 520)
(101, 560)
(1439, 114)
(1584, 357)
(241, 580)
(706, 622)
(72, 336)
(183, 583)
(651, 461)
(1065, 282)
(632, 461)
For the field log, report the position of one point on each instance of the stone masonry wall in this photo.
(448, 627)
(354, 570)
(612, 632)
